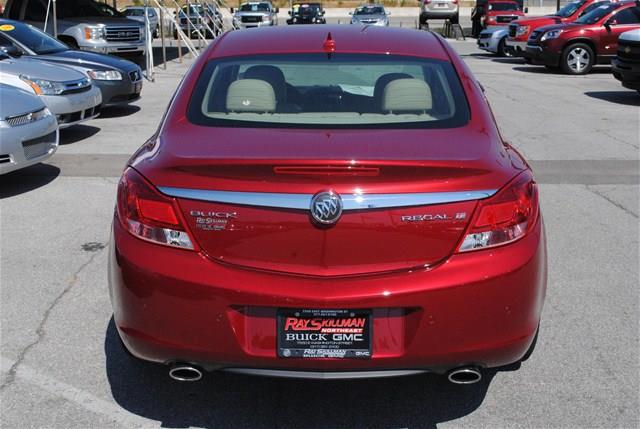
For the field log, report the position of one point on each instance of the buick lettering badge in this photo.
(326, 207)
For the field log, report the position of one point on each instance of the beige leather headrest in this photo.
(406, 95)
(251, 95)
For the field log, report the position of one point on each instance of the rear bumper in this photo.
(480, 308)
(438, 13)
(627, 73)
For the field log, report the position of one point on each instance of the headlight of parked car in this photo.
(522, 29)
(94, 33)
(44, 87)
(104, 75)
(549, 35)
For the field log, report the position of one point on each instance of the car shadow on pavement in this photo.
(77, 133)
(118, 111)
(230, 400)
(627, 97)
(27, 179)
(540, 69)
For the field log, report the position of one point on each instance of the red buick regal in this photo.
(328, 202)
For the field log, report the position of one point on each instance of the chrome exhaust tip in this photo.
(465, 375)
(185, 372)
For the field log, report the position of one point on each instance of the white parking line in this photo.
(80, 397)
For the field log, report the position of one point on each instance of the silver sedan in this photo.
(28, 130)
(68, 93)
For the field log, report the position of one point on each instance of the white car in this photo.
(28, 130)
(69, 94)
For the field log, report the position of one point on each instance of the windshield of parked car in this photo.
(137, 12)
(83, 8)
(308, 8)
(369, 10)
(255, 7)
(597, 14)
(32, 38)
(338, 91)
(569, 9)
(503, 6)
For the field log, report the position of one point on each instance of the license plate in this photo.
(441, 5)
(324, 333)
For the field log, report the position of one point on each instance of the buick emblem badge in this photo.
(326, 207)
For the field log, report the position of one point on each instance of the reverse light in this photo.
(505, 217)
(149, 215)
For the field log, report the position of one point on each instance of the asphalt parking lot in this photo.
(62, 365)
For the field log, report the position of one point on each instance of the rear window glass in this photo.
(338, 91)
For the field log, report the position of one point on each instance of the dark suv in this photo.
(592, 39)
(306, 13)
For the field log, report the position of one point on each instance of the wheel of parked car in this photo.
(577, 58)
(502, 47)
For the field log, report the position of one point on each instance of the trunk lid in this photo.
(249, 205)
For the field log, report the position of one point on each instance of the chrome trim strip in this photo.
(318, 375)
(303, 201)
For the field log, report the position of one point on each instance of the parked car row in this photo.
(579, 36)
(66, 86)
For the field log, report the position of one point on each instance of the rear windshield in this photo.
(338, 91)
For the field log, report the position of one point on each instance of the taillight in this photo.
(149, 215)
(454, 1)
(505, 217)
(427, 1)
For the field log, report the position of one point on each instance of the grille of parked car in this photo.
(485, 35)
(513, 28)
(27, 118)
(76, 86)
(123, 34)
(368, 21)
(502, 19)
(5, 159)
(251, 18)
(39, 146)
(534, 35)
(629, 51)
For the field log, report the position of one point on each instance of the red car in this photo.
(592, 39)
(328, 202)
(501, 13)
(520, 31)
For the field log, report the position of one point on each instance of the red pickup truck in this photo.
(520, 30)
(592, 39)
(501, 13)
